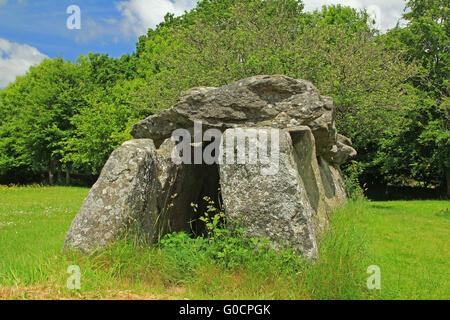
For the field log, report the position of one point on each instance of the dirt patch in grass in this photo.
(48, 292)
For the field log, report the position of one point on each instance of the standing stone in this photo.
(142, 191)
(322, 180)
(124, 195)
(273, 206)
(305, 157)
(291, 206)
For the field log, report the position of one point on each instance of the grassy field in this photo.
(409, 241)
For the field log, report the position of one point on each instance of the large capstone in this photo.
(274, 101)
(144, 189)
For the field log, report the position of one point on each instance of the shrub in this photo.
(352, 186)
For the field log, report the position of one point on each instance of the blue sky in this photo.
(31, 30)
(42, 24)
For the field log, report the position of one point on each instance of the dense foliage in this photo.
(391, 90)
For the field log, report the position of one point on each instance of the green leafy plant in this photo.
(352, 186)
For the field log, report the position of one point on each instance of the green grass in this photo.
(33, 221)
(407, 240)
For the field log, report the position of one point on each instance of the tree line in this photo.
(63, 119)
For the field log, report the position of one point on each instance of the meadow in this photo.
(407, 240)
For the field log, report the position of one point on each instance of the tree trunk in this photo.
(51, 172)
(68, 175)
(59, 175)
(447, 177)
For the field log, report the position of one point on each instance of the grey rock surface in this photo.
(140, 190)
(273, 206)
(342, 151)
(125, 192)
(291, 206)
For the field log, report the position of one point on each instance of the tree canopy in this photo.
(390, 90)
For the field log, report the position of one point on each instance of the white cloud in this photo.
(139, 15)
(386, 12)
(16, 59)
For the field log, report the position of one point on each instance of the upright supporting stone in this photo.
(274, 206)
(123, 194)
(322, 180)
(143, 191)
